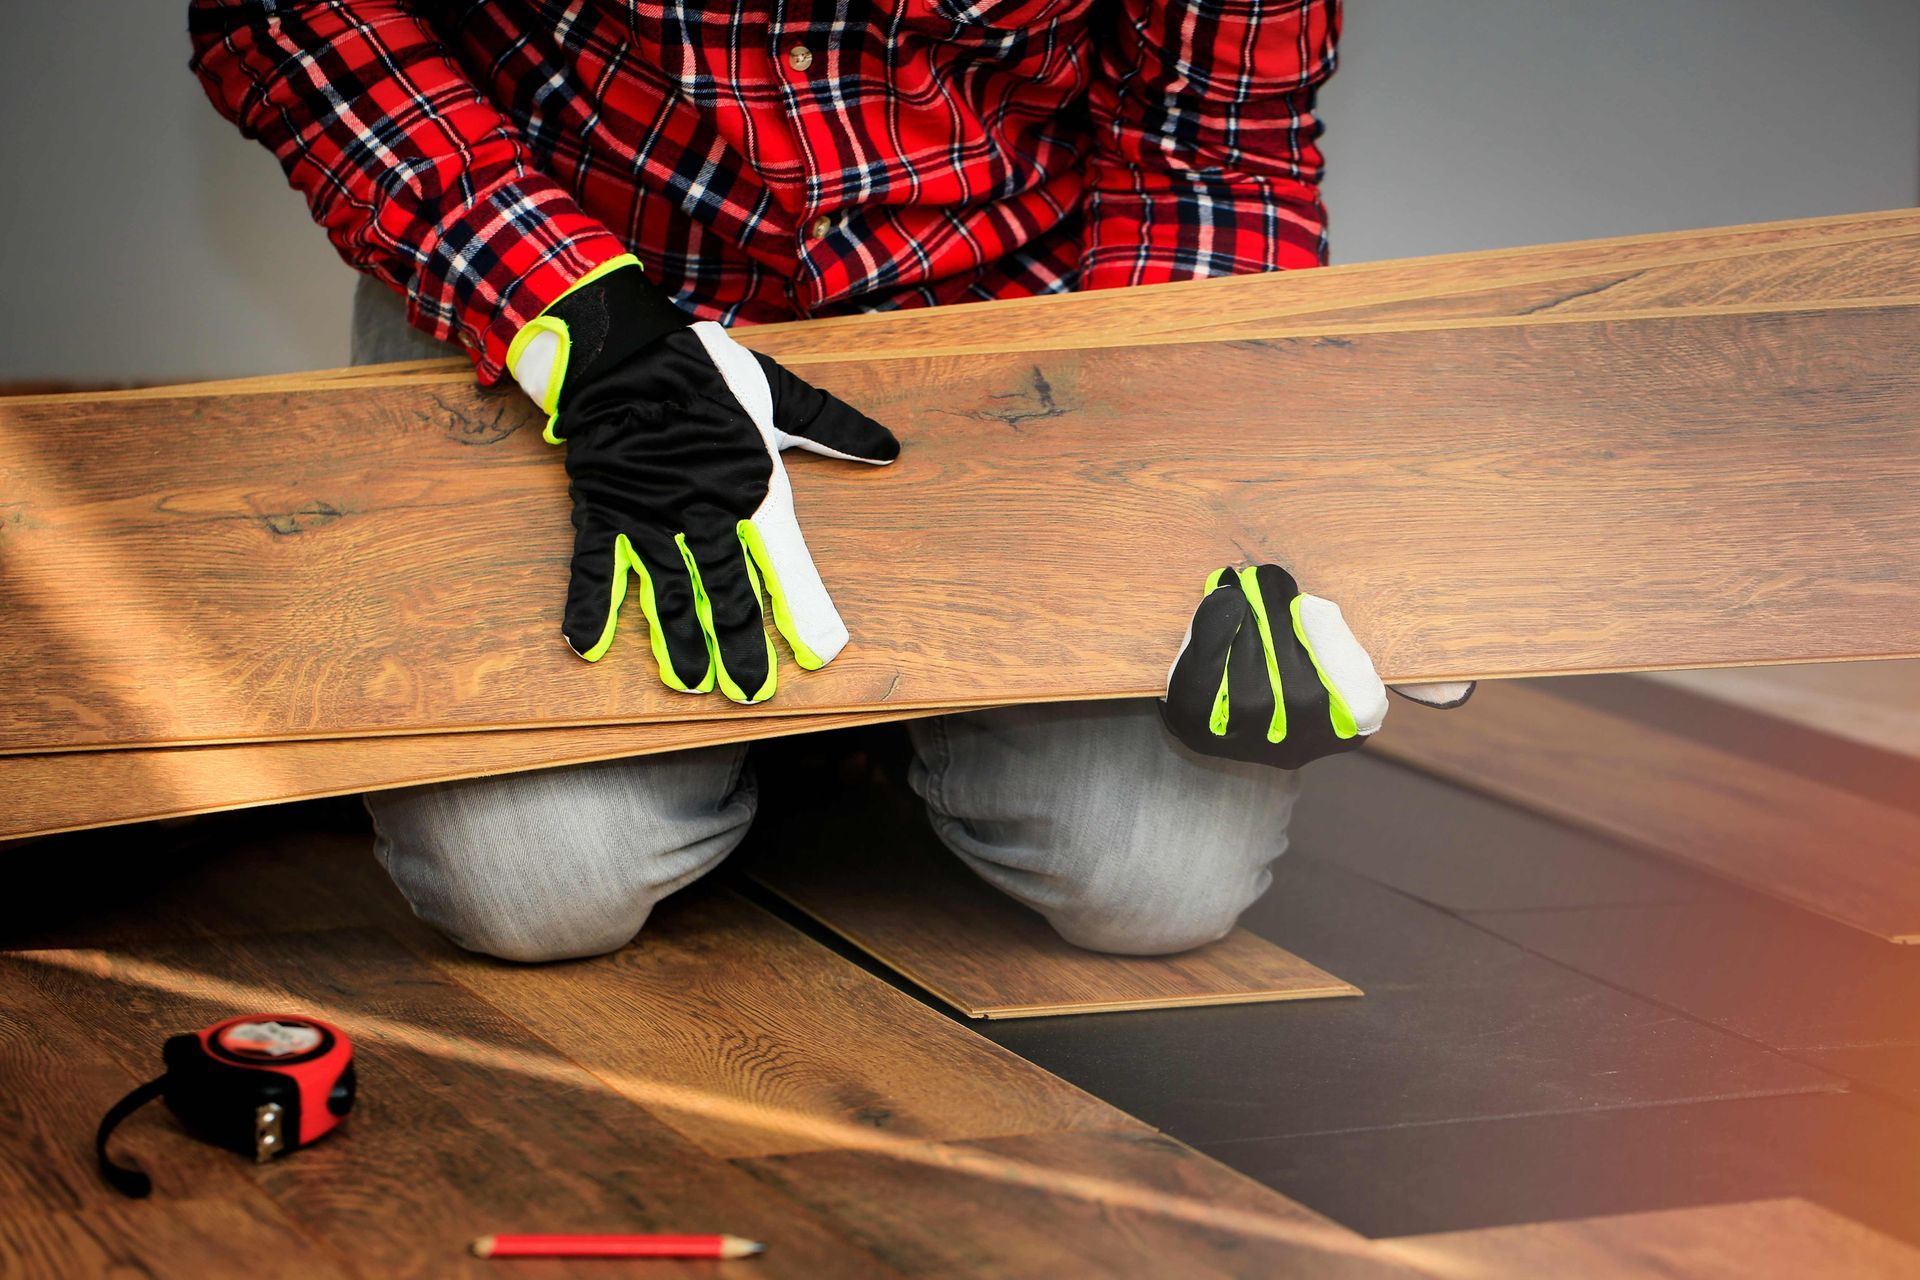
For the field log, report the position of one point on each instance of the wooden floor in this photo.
(1487, 1109)
(727, 1074)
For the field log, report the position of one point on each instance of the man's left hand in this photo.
(1275, 677)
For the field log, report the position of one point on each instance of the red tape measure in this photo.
(262, 1085)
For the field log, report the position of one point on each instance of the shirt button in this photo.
(799, 57)
(819, 227)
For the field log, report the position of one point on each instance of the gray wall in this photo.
(141, 238)
(1483, 124)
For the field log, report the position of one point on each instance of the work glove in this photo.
(1272, 676)
(673, 434)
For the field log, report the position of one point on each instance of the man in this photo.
(582, 194)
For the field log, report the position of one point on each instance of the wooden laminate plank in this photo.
(466, 1122)
(1083, 1204)
(875, 875)
(60, 795)
(1842, 855)
(70, 791)
(751, 1039)
(1705, 467)
(1761, 1240)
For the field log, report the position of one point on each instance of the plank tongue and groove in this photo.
(876, 876)
(1844, 856)
(1522, 500)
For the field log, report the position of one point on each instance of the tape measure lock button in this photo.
(262, 1086)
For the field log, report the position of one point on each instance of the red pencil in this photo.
(615, 1247)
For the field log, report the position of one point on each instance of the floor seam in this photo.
(1700, 1100)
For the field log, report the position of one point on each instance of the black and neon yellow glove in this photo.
(1272, 676)
(673, 433)
(1269, 675)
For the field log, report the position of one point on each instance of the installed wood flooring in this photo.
(725, 1074)
(728, 1073)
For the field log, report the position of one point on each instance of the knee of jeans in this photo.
(519, 875)
(1121, 928)
(585, 928)
(1159, 899)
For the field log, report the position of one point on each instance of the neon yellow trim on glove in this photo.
(757, 555)
(627, 560)
(1250, 587)
(548, 323)
(1337, 709)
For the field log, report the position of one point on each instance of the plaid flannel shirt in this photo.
(780, 159)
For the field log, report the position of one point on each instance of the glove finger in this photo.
(1198, 674)
(668, 598)
(1357, 701)
(811, 419)
(802, 609)
(1255, 712)
(728, 598)
(596, 585)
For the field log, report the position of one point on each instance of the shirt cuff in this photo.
(499, 261)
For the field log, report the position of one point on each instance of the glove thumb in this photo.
(808, 418)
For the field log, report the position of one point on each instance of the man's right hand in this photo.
(673, 433)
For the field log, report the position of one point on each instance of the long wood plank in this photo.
(879, 879)
(69, 791)
(1841, 855)
(325, 578)
(1740, 262)
(1763, 1240)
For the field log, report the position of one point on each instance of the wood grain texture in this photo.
(1763, 1240)
(751, 1039)
(466, 1123)
(1088, 1204)
(189, 1239)
(1831, 851)
(1744, 481)
(879, 879)
(1749, 264)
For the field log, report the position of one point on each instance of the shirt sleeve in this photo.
(1205, 158)
(417, 178)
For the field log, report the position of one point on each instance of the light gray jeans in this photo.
(1090, 813)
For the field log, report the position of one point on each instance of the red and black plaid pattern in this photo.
(780, 159)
